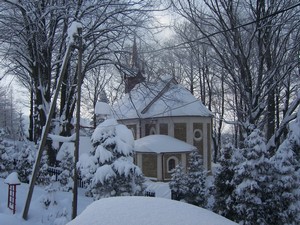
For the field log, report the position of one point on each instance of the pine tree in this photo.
(111, 171)
(44, 176)
(7, 156)
(196, 181)
(285, 202)
(179, 183)
(252, 182)
(25, 161)
(2, 156)
(66, 176)
(223, 182)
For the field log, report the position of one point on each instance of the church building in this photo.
(163, 107)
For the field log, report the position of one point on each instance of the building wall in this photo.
(155, 165)
(193, 130)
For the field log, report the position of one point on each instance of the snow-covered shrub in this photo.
(253, 182)
(223, 186)
(53, 208)
(49, 199)
(25, 161)
(44, 176)
(109, 169)
(285, 202)
(66, 176)
(179, 183)
(61, 218)
(196, 178)
(7, 156)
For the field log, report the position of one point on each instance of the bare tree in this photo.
(34, 38)
(255, 44)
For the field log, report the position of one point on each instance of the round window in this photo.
(197, 135)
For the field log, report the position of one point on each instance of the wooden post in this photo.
(45, 132)
(76, 151)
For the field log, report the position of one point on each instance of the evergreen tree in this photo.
(285, 204)
(2, 156)
(179, 183)
(66, 176)
(44, 176)
(110, 168)
(252, 182)
(223, 182)
(196, 179)
(25, 161)
(7, 156)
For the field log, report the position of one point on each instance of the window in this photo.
(163, 128)
(171, 163)
(197, 135)
(152, 130)
(180, 131)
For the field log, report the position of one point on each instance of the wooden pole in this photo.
(76, 151)
(45, 132)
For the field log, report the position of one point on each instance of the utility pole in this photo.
(45, 132)
(76, 151)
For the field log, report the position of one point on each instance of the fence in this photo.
(55, 171)
(149, 194)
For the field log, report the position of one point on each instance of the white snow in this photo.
(146, 211)
(12, 178)
(58, 138)
(37, 214)
(162, 143)
(73, 29)
(85, 146)
(103, 173)
(102, 108)
(103, 154)
(110, 211)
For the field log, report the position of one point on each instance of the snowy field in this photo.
(144, 210)
(37, 213)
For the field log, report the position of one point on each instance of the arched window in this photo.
(152, 130)
(171, 163)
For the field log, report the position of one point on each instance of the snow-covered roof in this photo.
(146, 211)
(162, 144)
(159, 99)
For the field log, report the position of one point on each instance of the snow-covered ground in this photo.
(37, 213)
(146, 211)
(143, 210)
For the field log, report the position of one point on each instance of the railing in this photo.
(149, 194)
(56, 171)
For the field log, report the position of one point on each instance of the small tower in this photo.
(134, 75)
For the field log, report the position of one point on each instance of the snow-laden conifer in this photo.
(179, 183)
(286, 189)
(109, 170)
(196, 181)
(25, 161)
(223, 185)
(66, 176)
(252, 181)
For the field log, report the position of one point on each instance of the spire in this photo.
(137, 70)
